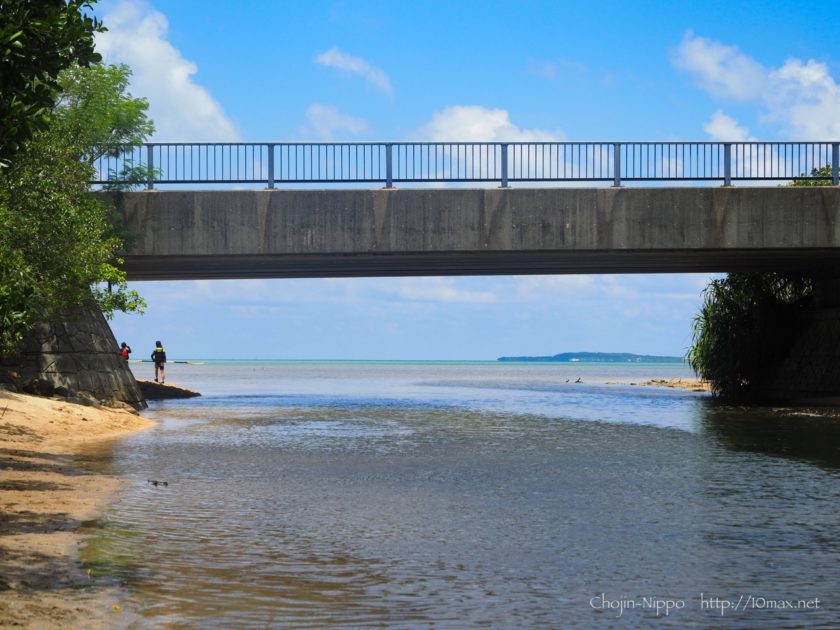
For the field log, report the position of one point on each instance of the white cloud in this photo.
(541, 287)
(805, 99)
(726, 129)
(474, 123)
(182, 109)
(334, 58)
(281, 293)
(620, 289)
(552, 70)
(799, 97)
(257, 291)
(326, 121)
(441, 290)
(722, 70)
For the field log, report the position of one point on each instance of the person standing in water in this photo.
(159, 357)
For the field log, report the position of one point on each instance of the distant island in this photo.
(597, 357)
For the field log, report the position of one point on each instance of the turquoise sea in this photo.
(460, 495)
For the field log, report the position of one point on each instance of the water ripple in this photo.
(458, 506)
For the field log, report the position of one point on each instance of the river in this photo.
(403, 495)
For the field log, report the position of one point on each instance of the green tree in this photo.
(38, 39)
(58, 246)
(96, 111)
(746, 325)
(822, 177)
(745, 328)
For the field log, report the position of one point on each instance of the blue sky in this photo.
(459, 71)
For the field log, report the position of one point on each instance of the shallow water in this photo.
(464, 495)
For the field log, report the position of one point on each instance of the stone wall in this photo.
(78, 359)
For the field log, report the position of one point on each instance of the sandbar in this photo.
(691, 384)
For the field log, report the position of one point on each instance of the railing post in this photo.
(150, 164)
(504, 165)
(389, 166)
(270, 166)
(617, 165)
(727, 164)
(835, 163)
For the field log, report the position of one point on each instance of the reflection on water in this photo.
(499, 496)
(811, 435)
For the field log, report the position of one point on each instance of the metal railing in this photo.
(390, 163)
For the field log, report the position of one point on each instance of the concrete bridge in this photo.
(394, 232)
(275, 233)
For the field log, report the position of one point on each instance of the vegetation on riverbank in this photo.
(58, 246)
(745, 329)
(37, 41)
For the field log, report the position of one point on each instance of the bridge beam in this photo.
(336, 233)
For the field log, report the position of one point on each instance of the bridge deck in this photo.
(335, 233)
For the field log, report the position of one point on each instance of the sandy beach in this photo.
(51, 455)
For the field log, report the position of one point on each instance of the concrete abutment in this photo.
(76, 358)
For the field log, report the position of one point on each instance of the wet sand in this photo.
(50, 483)
(693, 385)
